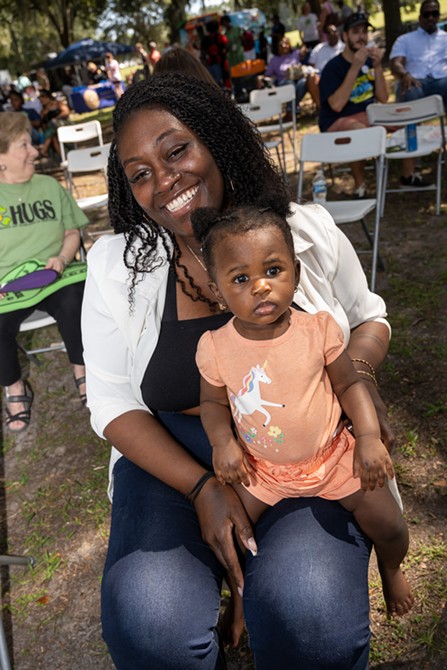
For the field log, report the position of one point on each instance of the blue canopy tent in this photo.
(86, 50)
(85, 98)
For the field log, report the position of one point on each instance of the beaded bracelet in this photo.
(371, 375)
(64, 260)
(192, 495)
(368, 374)
(367, 363)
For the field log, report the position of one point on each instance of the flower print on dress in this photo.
(276, 433)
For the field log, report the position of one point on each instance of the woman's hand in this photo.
(56, 263)
(221, 513)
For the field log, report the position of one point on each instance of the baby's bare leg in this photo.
(253, 506)
(380, 518)
(232, 625)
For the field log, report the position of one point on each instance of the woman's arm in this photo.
(367, 348)
(372, 462)
(69, 249)
(341, 287)
(144, 441)
(122, 418)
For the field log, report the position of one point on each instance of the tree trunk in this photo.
(393, 23)
(174, 15)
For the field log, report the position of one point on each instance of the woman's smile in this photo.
(171, 173)
(182, 200)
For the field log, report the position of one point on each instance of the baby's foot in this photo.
(396, 591)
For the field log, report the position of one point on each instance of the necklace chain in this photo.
(193, 253)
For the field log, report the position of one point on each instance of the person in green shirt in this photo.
(39, 219)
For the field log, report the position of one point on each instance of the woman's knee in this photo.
(156, 615)
(306, 593)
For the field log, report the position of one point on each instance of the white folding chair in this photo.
(285, 94)
(350, 146)
(38, 319)
(85, 161)
(271, 111)
(76, 133)
(429, 138)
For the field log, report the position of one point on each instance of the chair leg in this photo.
(438, 184)
(370, 239)
(4, 653)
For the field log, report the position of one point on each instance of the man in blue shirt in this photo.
(349, 83)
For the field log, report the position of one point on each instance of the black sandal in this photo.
(25, 415)
(82, 396)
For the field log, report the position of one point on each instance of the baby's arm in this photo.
(372, 462)
(229, 463)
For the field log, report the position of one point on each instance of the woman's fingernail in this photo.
(252, 546)
(239, 590)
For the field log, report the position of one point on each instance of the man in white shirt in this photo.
(114, 74)
(319, 56)
(324, 51)
(419, 59)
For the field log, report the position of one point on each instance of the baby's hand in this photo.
(372, 462)
(230, 465)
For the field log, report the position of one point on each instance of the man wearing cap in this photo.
(419, 59)
(349, 83)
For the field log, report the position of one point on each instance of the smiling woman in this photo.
(181, 144)
(40, 220)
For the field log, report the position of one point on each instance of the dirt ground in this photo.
(53, 502)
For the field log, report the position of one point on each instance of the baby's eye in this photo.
(240, 279)
(273, 271)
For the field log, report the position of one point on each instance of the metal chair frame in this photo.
(403, 114)
(269, 110)
(285, 94)
(347, 147)
(5, 663)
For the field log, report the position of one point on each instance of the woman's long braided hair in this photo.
(238, 150)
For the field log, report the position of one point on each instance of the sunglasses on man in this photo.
(435, 14)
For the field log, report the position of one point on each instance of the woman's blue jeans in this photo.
(306, 592)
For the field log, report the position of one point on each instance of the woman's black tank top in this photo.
(171, 382)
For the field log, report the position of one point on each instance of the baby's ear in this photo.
(297, 272)
(217, 294)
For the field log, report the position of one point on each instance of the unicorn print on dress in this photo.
(248, 400)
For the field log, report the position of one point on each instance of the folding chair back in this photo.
(89, 160)
(269, 110)
(285, 94)
(429, 138)
(346, 147)
(80, 132)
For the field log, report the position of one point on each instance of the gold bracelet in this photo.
(368, 374)
(367, 363)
